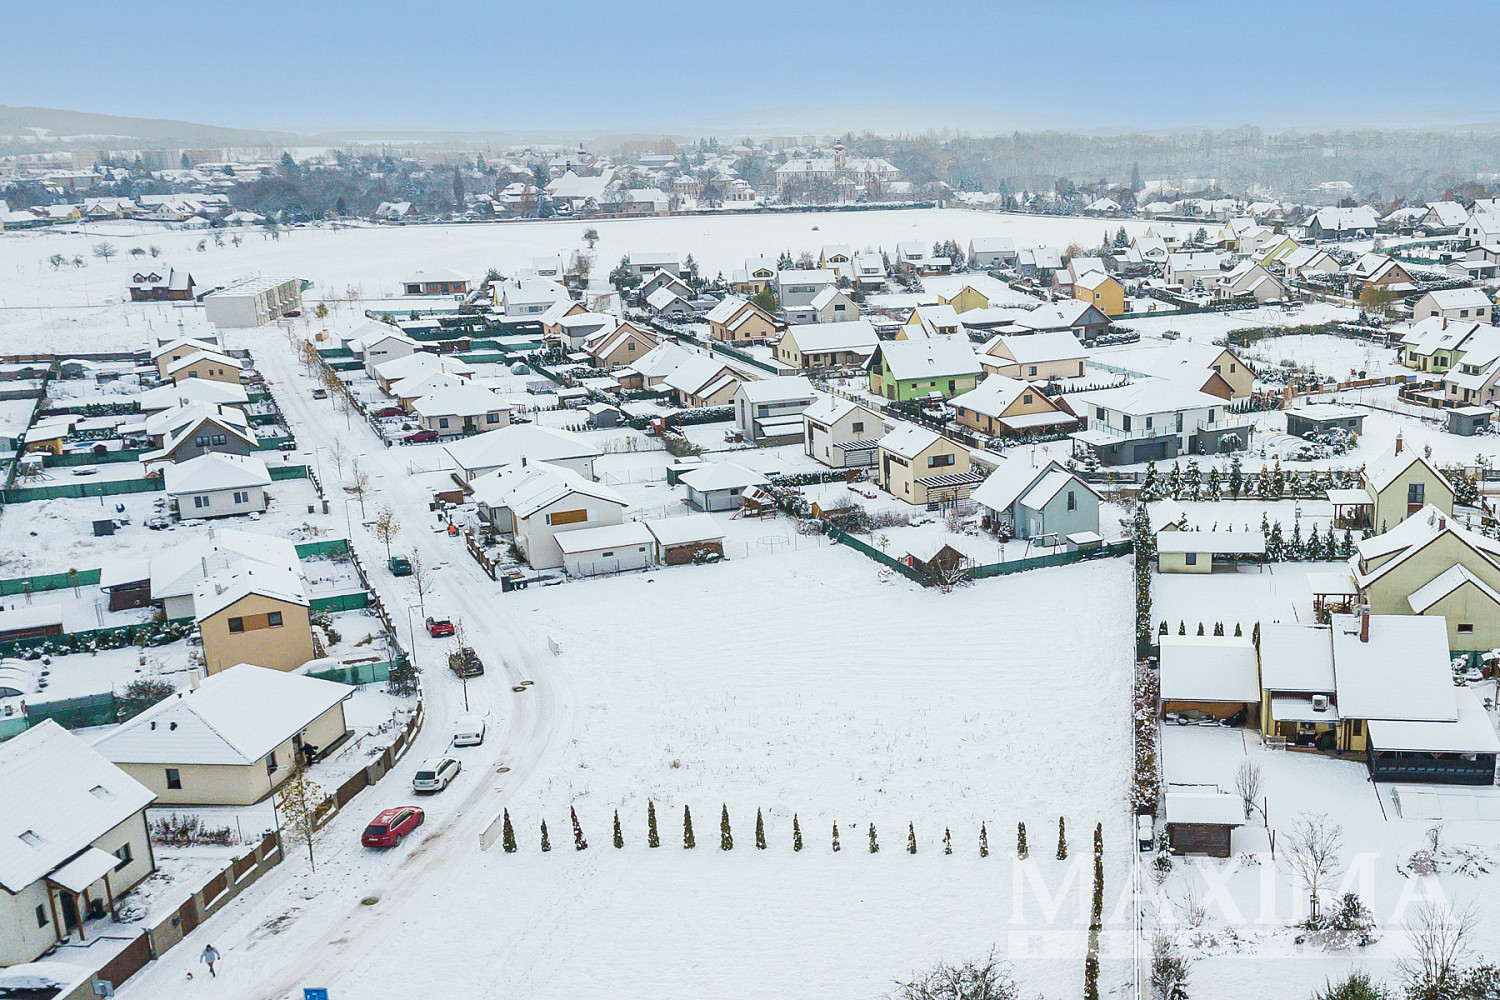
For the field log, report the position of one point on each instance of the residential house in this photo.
(535, 501)
(736, 319)
(718, 486)
(173, 351)
(551, 318)
(161, 284)
(407, 391)
(665, 279)
(207, 365)
(702, 381)
(869, 272)
(438, 281)
(376, 343)
(1472, 381)
(256, 613)
(1247, 279)
(931, 321)
(607, 549)
(1355, 223)
(965, 300)
(809, 346)
(769, 411)
(1455, 304)
(1306, 262)
(1003, 407)
(1155, 419)
(217, 485)
(1380, 271)
(837, 257)
(422, 363)
(527, 297)
(1038, 263)
(841, 433)
(197, 429)
(796, 288)
(1038, 357)
(1443, 217)
(623, 345)
(992, 251)
(1402, 484)
(463, 410)
(833, 305)
(1080, 318)
(911, 369)
(76, 840)
(1436, 344)
(1428, 564)
(1028, 502)
(758, 274)
(1208, 368)
(1274, 251)
(1189, 270)
(655, 367)
(923, 467)
(664, 303)
(232, 740)
(511, 445)
(1481, 228)
(575, 330)
(648, 262)
(1101, 291)
(253, 302)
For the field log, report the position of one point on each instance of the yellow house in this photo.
(921, 466)
(738, 319)
(1101, 291)
(206, 365)
(623, 345)
(169, 354)
(1429, 565)
(758, 274)
(1200, 551)
(966, 299)
(552, 318)
(1035, 357)
(234, 739)
(1275, 251)
(1402, 484)
(254, 614)
(1009, 406)
(925, 322)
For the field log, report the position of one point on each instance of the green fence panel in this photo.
(483, 357)
(1107, 551)
(106, 488)
(346, 366)
(274, 443)
(76, 713)
(287, 471)
(12, 725)
(340, 602)
(87, 458)
(356, 673)
(325, 547)
(335, 352)
(900, 567)
(48, 581)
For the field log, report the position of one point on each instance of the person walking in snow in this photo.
(209, 957)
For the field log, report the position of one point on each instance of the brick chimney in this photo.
(1398, 442)
(1364, 626)
(1442, 523)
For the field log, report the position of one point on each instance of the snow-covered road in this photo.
(299, 926)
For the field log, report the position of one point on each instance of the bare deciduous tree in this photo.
(359, 485)
(104, 251)
(386, 528)
(1247, 782)
(1439, 938)
(337, 452)
(1314, 854)
(297, 801)
(421, 576)
(982, 979)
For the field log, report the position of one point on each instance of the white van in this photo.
(468, 731)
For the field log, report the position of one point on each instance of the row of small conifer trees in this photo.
(726, 835)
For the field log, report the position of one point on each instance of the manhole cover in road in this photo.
(369, 901)
(526, 684)
(518, 688)
(501, 770)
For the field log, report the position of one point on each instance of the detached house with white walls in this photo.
(841, 433)
(534, 502)
(769, 411)
(1155, 419)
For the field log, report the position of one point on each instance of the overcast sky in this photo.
(686, 66)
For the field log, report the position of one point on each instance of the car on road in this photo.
(421, 437)
(320, 394)
(391, 826)
(439, 627)
(468, 731)
(399, 565)
(435, 774)
(389, 411)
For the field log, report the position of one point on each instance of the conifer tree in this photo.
(1275, 545)
(1021, 851)
(579, 844)
(1164, 629)
(1181, 626)
(947, 841)
(760, 831)
(984, 842)
(619, 836)
(1215, 481)
(508, 837)
(1346, 549)
(688, 841)
(1200, 628)
(1237, 633)
(796, 834)
(1236, 477)
(1062, 839)
(726, 839)
(1293, 550)
(874, 843)
(911, 839)
(546, 844)
(836, 847)
(652, 840)
(1278, 482)
(1218, 628)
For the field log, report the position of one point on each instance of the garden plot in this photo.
(1275, 592)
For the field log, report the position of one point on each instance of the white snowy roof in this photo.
(434, 275)
(1296, 658)
(421, 363)
(1205, 808)
(462, 401)
(60, 796)
(670, 531)
(212, 356)
(526, 489)
(193, 390)
(822, 338)
(1470, 732)
(1150, 395)
(1382, 472)
(909, 440)
(1459, 298)
(663, 359)
(606, 536)
(828, 294)
(1445, 583)
(1227, 542)
(1209, 668)
(929, 358)
(176, 571)
(1401, 673)
(214, 471)
(508, 445)
(416, 386)
(777, 389)
(1038, 348)
(722, 476)
(217, 592)
(662, 298)
(31, 616)
(725, 310)
(830, 409)
(236, 716)
(1049, 486)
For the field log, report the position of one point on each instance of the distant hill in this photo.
(26, 121)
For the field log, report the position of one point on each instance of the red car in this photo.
(389, 411)
(391, 826)
(439, 627)
(421, 437)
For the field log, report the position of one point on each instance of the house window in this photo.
(938, 461)
(41, 915)
(1027, 399)
(1149, 422)
(174, 779)
(271, 765)
(220, 439)
(201, 440)
(1466, 627)
(1099, 413)
(1416, 493)
(1125, 422)
(1359, 727)
(952, 385)
(241, 496)
(1463, 314)
(442, 421)
(1231, 369)
(201, 502)
(125, 856)
(492, 418)
(858, 427)
(1031, 370)
(1191, 558)
(1072, 500)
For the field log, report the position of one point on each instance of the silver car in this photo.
(435, 774)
